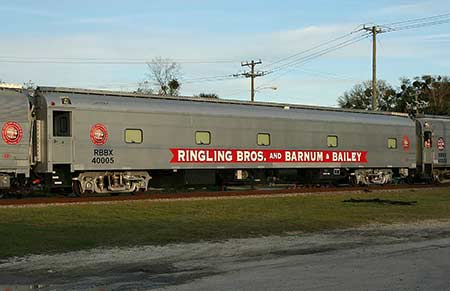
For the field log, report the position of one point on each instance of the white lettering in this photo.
(334, 157)
(239, 156)
(181, 156)
(319, 157)
(229, 156)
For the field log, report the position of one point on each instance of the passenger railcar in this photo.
(111, 142)
(432, 151)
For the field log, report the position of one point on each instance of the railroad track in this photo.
(204, 194)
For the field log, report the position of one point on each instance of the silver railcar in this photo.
(116, 142)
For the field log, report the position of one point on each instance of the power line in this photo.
(310, 49)
(416, 23)
(293, 65)
(419, 25)
(314, 53)
(347, 39)
(422, 19)
(320, 53)
(101, 61)
(225, 78)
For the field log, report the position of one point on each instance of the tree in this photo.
(144, 87)
(29, 86)
(426, 94)
(163, 78)
(360, 97)
(432, 93)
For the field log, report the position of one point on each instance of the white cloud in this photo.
(409, 8)
(442, 37)
(28, 11)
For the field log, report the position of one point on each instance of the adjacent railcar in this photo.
(15, 125)
(115, 142)
(433, 153)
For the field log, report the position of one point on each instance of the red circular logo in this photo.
(406, 143)
(441, 144)
(12, 132)
(99, 134)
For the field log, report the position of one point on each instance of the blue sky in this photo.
(231, 30)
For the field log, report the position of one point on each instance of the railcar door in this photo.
(62, 138)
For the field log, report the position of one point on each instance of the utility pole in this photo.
(374, 30)
(252, 75)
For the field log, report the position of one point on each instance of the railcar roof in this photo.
(121, 101)
(436, 117)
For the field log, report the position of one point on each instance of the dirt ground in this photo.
(206, 265)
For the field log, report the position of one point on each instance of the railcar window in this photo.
(332, 141)
(392, 143)
(202, 137)
(61, 123)
(263, 139)
(133, 135)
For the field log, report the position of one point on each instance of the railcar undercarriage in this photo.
(373, 176)
(110, 182)
(116, 182)
(299, 176)
(441, 175)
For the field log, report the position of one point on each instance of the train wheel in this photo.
(76, 187)
(437, 179)
(353, 181)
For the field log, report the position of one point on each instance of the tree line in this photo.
(425, 94)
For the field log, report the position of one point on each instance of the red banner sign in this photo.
(193, 156)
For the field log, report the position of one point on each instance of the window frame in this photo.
(57, 121)
(337, 141)
(396, 143)
(202, 131)
(136, 129)
(263, 133)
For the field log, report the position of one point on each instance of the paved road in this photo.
(405, 266)
(380, 257)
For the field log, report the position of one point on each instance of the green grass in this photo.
(74, 227)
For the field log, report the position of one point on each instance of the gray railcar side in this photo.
(172, 124)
